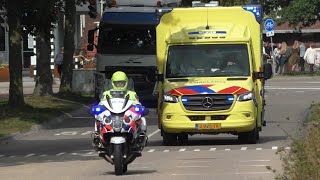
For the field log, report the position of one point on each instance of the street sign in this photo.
(270, 33)
(269, 25)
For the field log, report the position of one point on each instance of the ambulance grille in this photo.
(207, 102)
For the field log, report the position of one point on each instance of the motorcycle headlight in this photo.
(117, 123)
(170, 98)
(246, 96)
(107, 119)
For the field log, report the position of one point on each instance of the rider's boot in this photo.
(96, 143)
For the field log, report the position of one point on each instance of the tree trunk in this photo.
(67, 71)
(44, 78)
(16, 97)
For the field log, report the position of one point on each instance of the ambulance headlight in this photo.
(246, 96)
(170, 98)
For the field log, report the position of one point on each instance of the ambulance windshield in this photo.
(216, 60)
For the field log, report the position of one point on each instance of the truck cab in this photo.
(127, 42)
(211, 74)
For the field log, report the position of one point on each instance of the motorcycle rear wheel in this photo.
(118, 159)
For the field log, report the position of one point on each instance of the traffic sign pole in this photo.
(269, 27)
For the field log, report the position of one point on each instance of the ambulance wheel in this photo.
(251, 137)
(183, 139)
(169, 139)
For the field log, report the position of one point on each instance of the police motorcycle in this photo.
(118, 138)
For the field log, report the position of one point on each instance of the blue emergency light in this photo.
(96, 110)
(256, 9)
(138, 108)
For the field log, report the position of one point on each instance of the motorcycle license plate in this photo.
(208, 126)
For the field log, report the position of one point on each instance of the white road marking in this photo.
(191, 166)
(90, 153)
(181, 150)
(29, 155)
(74, 154)
(166, 150)
(88, 132)
(288, 148)
(196, 150)
(60, 154)
(212, 149)
(43, 155)
(186, 174)
(1, 156)
(254, 172)
(257, 165)
(155, 132)
(293, 88)
(227, 149)
(243, 148)
(12, 156)
(151, 150)
(258, 160)
(259, 149)
(67, 133)
(274, 147)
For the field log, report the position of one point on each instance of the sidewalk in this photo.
(28, 86)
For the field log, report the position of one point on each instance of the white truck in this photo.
(127, 42)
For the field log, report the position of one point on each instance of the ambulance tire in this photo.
(169, 139)
(251, 137)
(183, 139)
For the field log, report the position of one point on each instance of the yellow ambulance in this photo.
(210, 72)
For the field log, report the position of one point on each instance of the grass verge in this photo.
(36, 111)
(303, 161)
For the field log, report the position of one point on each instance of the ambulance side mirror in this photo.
(267, 71)
(160, 77)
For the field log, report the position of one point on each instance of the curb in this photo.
(40, 127)
(34, 129)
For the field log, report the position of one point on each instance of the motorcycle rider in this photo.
(119, 81)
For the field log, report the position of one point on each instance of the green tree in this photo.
(42, 15)
(67, 71)
(14, 10)
(69, 24)
(298, 13)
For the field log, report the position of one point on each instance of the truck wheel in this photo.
(169, 139)
(251, 137)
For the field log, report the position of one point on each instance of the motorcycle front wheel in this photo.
(118, 159)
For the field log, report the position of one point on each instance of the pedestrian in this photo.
(302, 52)
(285, 54)
(310, 56)
(276, 54)
(294, 60)
(59, 61)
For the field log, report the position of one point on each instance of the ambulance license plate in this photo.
(208, 126)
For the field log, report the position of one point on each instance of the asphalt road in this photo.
(63, 150)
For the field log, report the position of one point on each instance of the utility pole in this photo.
(102, 2)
